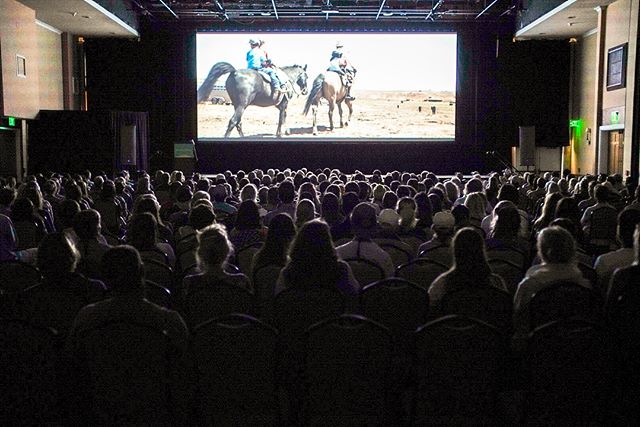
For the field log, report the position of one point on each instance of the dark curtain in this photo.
(141, 122)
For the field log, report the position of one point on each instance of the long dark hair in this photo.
(312, 258)
(470, 267)
(274, 251)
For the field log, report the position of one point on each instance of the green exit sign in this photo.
(12, 121)
(615, 117)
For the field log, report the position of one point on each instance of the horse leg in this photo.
(340, 113)
(234, 121)
(314, 114)
(282, 119)
(331, 106)
(239, 128)
(350, 106)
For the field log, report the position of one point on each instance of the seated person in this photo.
(443, 228)
(363, 224)
(470, 268)
(90, 242)
(607, 263)
(58, 298)
(626, 275)
(557, 250)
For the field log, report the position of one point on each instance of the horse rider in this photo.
(258, 59)
(341, 65)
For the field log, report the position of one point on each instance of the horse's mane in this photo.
(289, 67)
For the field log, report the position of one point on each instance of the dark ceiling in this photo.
(249, 11)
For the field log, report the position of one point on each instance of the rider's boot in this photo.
(277, 94)
(348, 96)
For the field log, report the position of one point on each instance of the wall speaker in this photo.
(527, 145)
(128, 145)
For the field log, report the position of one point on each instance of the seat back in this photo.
(235, 357)
(216, 300)
(513, 255)
(457, 365)
(421, 271)
(154, 254)
(27, 235)
(400, 252)
(16, 276)
(264, 284)
(564, 300)
(27, 373)
(159, 272)
(157, 294)
(346, 368)
(244, 257)
(603, 225)
(399, 305)
(441, 254)
(510, 272)
(365, 271)
(486, 303)
(126, 368)
(570, 373)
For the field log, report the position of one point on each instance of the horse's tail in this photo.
(217, 70)
(316, 91)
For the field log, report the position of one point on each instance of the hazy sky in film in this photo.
(385, 61)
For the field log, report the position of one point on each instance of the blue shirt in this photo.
(255, 58)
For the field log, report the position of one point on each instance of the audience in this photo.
(206, 218)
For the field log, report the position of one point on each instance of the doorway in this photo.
(616, 152)
(8, 152)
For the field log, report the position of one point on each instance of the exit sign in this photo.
(615, 117)
(12, 121)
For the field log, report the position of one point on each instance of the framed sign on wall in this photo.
(617, 67)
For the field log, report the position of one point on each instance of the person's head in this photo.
(86, 224)
(281, 230)
(286, 192)
(142, 232)
(22, 209)
(313, 245)
(201, 216)
(305, 212)
(389, 219)
(556, 246)
(407, 211)
(56, 255)
(506, 221)
(331, 208)
(601, 193)
(628, 219)
(363, 220)
(469, 254)
(549, 208)
(253, 43)
(248, 216)
(443, 225)
(474, 185)
(249, 192)
(389, 200)
(214, 248)
(108, 191)
(122, 268)
(509, 193)
(67, 210)
(7, 195)
(477, 205)
(461, 214)
(567, 207)
(349, 201)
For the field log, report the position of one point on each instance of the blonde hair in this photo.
(214, 247)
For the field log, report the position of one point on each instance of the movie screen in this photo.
(368, 86)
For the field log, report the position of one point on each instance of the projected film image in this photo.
(321, 85)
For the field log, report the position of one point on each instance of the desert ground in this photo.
(376, 114)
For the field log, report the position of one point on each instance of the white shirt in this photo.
(607, 263)
(368, 250)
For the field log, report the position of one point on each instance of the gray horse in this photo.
(248, 87)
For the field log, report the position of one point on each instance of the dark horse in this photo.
(330, 87)
(248, 87)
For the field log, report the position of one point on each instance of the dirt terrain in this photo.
(376, 114)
